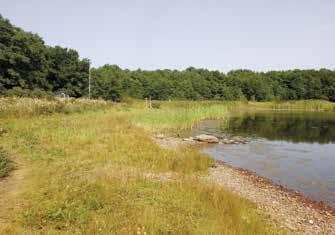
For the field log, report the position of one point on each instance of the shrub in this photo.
(155, 105)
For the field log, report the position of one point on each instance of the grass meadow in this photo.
(93, 168)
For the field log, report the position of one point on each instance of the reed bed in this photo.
(173, 116)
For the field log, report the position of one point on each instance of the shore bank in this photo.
(286, 208)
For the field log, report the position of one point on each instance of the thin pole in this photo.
(89, 82)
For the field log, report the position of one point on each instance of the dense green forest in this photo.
(110, 81)
(28, 67)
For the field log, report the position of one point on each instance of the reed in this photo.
(176, 115)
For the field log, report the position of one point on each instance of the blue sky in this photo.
(151, 34)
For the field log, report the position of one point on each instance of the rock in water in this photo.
(206, 138)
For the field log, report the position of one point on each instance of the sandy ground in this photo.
(285, 208)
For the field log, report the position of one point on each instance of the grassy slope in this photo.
(87, 175)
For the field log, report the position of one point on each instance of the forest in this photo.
(29, 67)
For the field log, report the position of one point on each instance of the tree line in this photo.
(29, 67)
(112, 82)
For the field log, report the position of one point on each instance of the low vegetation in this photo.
(303, 105)
(6, 165)
(100, 171)
(177, 115)
(13, 107)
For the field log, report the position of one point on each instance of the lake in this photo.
(294, 149)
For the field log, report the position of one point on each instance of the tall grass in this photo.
(88, 176)
(176, 115)
(179, 115)
(13, 107)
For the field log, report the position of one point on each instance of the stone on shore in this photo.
(160, 136)
(188, 139)
(206, 138)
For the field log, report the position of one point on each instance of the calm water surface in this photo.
(294, 149)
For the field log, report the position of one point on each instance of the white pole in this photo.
(89, 82)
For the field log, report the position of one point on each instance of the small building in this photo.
(62, 95)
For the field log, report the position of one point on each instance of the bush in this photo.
(155, 105)
(35, 93)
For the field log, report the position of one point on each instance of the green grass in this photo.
(304, 105)
(174, 115)
(89, 174)
(179, 115)
(6, 165)
(126, 206)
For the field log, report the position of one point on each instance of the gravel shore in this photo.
(285, 208)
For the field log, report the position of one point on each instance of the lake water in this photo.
(294, 149)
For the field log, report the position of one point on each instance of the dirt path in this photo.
(10, 189)
(285, 208)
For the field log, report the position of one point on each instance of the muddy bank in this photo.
(286, 208)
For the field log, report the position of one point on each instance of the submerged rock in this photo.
(234, 140)
(206, 138)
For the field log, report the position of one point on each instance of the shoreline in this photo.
(263, 181)
(285, 208)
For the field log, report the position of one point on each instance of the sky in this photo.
(175, 34)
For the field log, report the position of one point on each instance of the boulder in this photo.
(206, 138)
